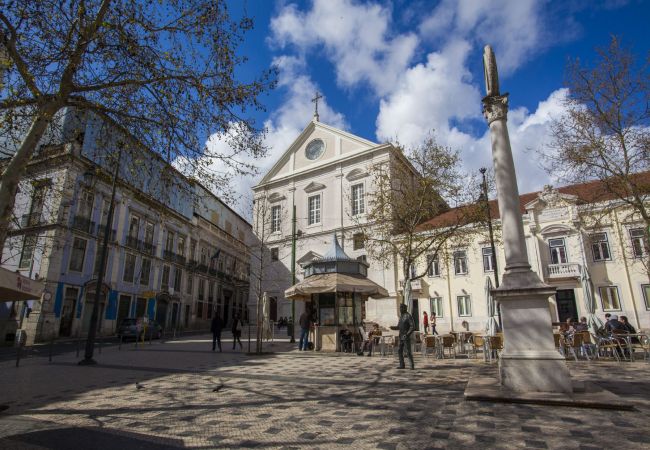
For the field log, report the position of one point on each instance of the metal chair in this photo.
(429, 344)
(448, 342)
(478, 343)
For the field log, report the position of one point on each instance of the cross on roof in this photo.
(314, 100)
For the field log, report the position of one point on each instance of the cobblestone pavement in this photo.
(292, 399)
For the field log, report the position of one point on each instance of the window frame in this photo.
(618, 297)
(467, 305)
(563, 246)
(276, 223)
(317, 211)
(490, 258)
(439, 309)
(178, 279)
(359, 203)
(433, 261)
(456, 272)
(600, 244)
(645, 291)
(142, 272)
(72, 253)
(27, 257)
(358, 241)
(165, 272)
(134, 218)
(131, 272)
(275, 251)
(641, 239)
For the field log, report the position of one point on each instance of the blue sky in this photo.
(398, 69)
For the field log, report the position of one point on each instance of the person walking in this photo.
(236, 331)
(433, 324)
(305, 325)
(406, 326)
(425, 322)
(216, 326)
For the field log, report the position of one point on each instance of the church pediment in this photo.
(313, 187)
(551, 198)
(334, 145)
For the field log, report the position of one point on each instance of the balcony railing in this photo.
(133, 242)
(31, 220)
(100, 233)
(84, 224)
(202, 268)
(148, 248)
(173, 257)
(561, 271)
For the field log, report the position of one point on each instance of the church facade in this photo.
(326, 174)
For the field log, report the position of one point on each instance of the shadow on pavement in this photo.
(74, 438)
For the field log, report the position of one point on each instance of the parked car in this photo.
(128, 329)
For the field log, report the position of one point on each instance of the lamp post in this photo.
(491, 234)
(90, 341)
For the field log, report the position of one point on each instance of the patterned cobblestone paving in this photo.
(291, 399)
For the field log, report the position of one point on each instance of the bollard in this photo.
(49, 359)
(119, 346)
(99, 344)
(18, 355)
(174, 335)
(77, 344)
(150, 336)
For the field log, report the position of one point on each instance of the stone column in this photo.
(529, 361)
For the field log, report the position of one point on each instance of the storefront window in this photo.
(326, 309)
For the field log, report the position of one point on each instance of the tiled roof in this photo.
(589, 192)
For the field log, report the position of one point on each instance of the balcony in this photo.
(148, 248)
(100, 233)
(563, 271)
(202, 268)
(168, 255)
(84, 224)
(133, 242)
(31, 220)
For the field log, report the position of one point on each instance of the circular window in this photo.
(315, 149)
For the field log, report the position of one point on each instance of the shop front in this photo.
(335, 289)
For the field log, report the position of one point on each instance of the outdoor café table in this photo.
(384, 341)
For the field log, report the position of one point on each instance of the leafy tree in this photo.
(163, 73)
(420, 204)
(605, 134)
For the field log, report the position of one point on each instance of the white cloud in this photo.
(516, 29)
(356, 37)
(283, 126)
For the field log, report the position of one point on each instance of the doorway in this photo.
(187, 316)
(566, 305)
(67, 312)
(123, 308)
(227, 295)
(161, 313)
(273, 310)
(174, 314)
(416, 313)
(88, 311)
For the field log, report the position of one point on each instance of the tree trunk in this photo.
(17, 165)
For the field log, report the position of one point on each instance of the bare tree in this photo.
(605, 134)
(162, 73)
(266, 222)
(414, 208)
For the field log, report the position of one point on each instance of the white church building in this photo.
(325, 174)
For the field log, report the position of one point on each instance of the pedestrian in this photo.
(433, 323)
(236, 331)
(406, 326)
(305, 325)
(425, 322)
(216, 326)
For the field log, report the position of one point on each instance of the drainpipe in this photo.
(627, 270)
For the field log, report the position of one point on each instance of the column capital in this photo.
(495, 107)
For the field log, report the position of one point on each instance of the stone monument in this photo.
(529, 361)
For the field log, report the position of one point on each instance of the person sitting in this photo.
(370, 340)
(613, 324)
(346, 341)
(627, 326)
(582, 325)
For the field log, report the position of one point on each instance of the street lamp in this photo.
(90, 341)
(486, 204)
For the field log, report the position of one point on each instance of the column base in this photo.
(535, 373)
